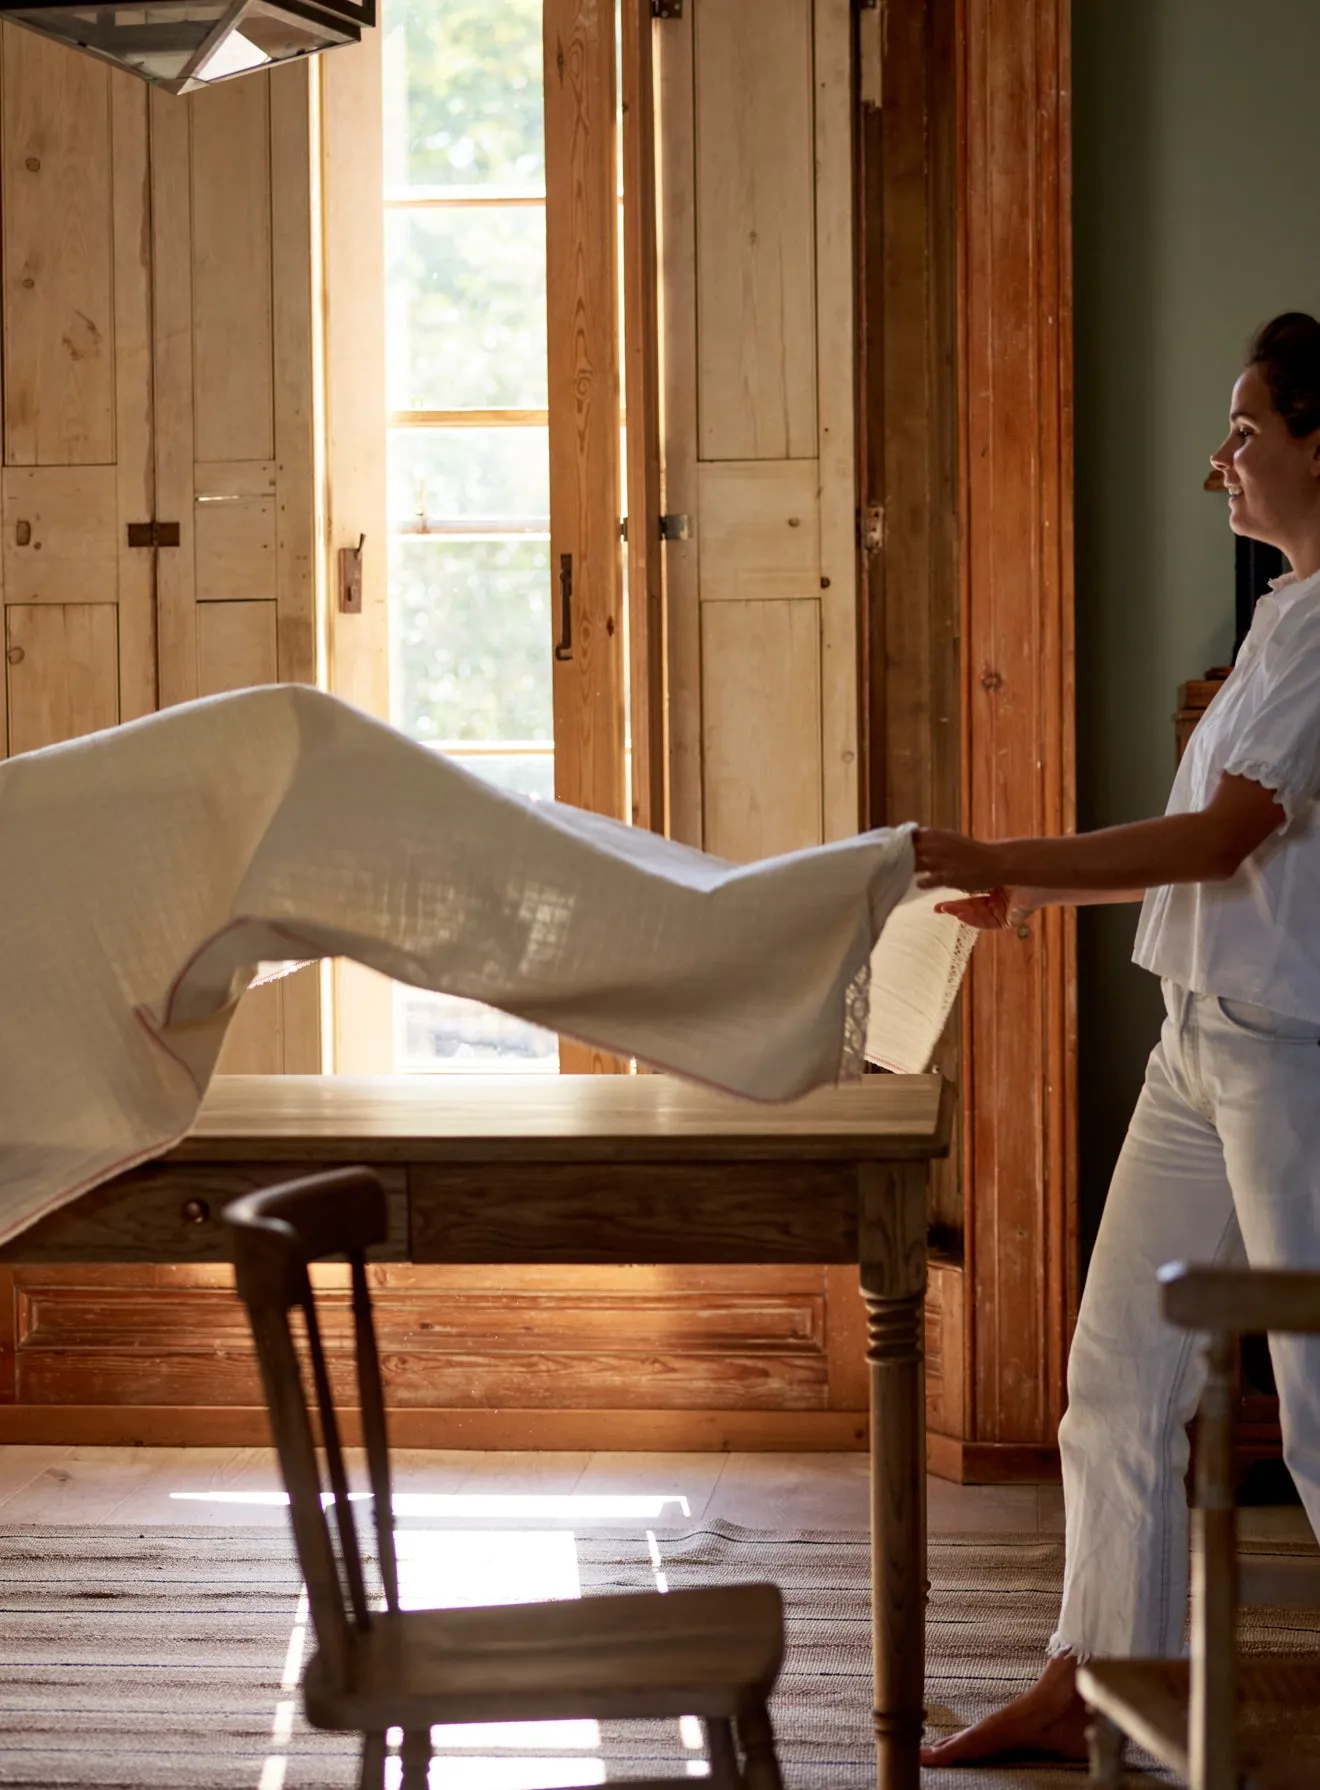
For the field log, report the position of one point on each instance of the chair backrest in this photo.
(1225, 1303)
(275, 1235)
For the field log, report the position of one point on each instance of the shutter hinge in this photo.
(666, 9)
(153, 534)
(871, 528)
(675, 528)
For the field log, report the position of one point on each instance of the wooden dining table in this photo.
(603, 1169)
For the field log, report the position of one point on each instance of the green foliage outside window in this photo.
(471, 639)
(471, 111)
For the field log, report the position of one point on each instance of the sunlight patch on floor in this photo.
(494, 1506)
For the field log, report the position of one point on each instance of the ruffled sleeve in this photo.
(1279, 746)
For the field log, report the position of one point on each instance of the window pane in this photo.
(470, 639)
(438, 1031)
(524, 773)
(473, 473)
(465, 302)
(463, 93)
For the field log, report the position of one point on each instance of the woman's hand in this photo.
(953, 861)
(999, 910)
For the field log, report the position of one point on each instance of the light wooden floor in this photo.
(758, 1491)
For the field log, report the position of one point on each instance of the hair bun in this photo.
(1287, 351)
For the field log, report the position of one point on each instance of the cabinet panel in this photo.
(759, 529)
(233, 374)
(59, 396)
(761, 727)
(235, 547)
(542, 1346)
(755, 176)
(236, 647)
(61, 534)
(62, 671)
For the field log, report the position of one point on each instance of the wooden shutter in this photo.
(758, 438)
(79, 630)
(231, 195)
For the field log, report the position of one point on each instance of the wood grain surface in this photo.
(564, 1118)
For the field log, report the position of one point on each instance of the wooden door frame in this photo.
(965, 285)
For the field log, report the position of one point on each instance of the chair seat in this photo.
(1278, 1720)
(651, 1654)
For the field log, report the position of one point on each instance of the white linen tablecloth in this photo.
(145, 872)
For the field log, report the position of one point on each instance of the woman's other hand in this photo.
(953, 861)
(999, 910)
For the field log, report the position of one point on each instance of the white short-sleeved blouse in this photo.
(1255, 937)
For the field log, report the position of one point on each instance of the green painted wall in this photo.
(1196, 217)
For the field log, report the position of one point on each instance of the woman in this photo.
(1223, 1151)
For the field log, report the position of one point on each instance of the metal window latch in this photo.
(350, 578)
(564, 650)
(153, 534)
(675, 528)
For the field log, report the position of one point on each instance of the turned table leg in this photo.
(893, 1275)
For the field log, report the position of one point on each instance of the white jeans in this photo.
(1223, 1151)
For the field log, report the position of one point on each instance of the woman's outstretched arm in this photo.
(1206, 846)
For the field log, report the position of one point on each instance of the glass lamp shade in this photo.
(185, 45)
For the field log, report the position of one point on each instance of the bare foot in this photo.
(1046, 1722)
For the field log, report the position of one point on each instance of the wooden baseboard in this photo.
(991, 1463)
(235, 1426)
(635, 1432)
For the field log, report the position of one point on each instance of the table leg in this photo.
(893, 1275)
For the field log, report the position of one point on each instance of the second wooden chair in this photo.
(711, 1654)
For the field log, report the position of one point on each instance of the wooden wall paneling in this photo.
(756, 313)
(172, 372)
(640, 1339)
(62, 661)
(349, 267)
(59, 374)
(647, 643)
(757, 715)
(836, 448)
(234, 346)
(230, 242)
(76, 386)
(760, 529)
(581, 246)
(911, 523)
(234, 543)
(8, 1336)
(846, 1342)
(582, 313)
(298, 563)
(61, 534)
(135, 472)
(238, 646)
(676, 251)
(1018, 645)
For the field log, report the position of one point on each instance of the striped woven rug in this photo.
(168, 1657)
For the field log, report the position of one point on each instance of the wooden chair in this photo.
(1220, 1720)
(712, 1654)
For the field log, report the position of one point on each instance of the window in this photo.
(468, 455)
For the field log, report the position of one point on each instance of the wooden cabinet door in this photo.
(78, 608)
(757, 343)
(232, 277)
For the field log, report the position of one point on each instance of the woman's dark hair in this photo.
(1287, 351)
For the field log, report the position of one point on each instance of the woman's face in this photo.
(1272, 476)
